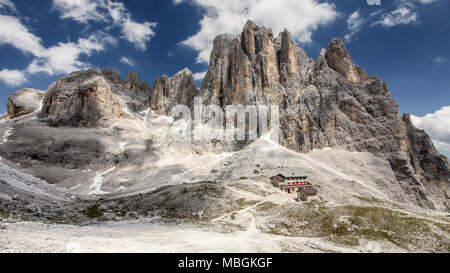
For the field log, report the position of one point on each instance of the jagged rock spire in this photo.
(328, 103)
(339, 59)
(168, 92)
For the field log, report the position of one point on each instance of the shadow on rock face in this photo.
(34, 145)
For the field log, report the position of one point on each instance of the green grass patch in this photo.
(4, 213)
(370, 200)
(345, 224)
(93, 212)
(243, 203)
(266, 206)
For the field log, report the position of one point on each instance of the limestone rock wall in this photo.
(330, 102)
(168, 92)
(93, 98)
(24, 101)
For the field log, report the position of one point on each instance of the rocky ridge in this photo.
(93, 98)
(168, 92)
(325, 103)
(328, 103)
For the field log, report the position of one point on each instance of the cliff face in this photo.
(24, 101)
(168, 92)
(428, 164)
(137, 91)
(330, 102)
(93, 98)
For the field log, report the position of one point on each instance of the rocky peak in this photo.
(289, 66)
(339, 59)
(111, 75)
(83, 99)
(168, 92)
(90, 98)
(328, 103)
(243, 69)
(288, 52)
(137, 90)
(248, 37)
(24, 101)
(321, 60)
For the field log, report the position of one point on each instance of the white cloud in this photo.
(436, 124)
(442, 147)
(427, 1)
(64, 58)
(7, 4)
(438, 59)
(138, 34)
(199, 75)
(13, 32)
(373, 2)
(405, 14)
(110, 12)
(354, 23)
(57, 59)
(80, 10)
(300, 17)
(12, 77)
(126, 61)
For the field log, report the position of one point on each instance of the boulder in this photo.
(23, 102)
(107, 217)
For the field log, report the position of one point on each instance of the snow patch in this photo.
(41, 103)
(223, 155)
(144, 114)
(121, 188)
(128, 112)
(75, 187)
(96, 186)
(323, 149)
(122, 145)
(97, 183)
(177, 178)
(163, 118)
(7, 134)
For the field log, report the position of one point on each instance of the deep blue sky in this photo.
(412, 57)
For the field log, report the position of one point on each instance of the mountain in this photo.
(86, 121)
(328, 103)
(96, 147)
(168, 92)
(92, 98)
(325, 103)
